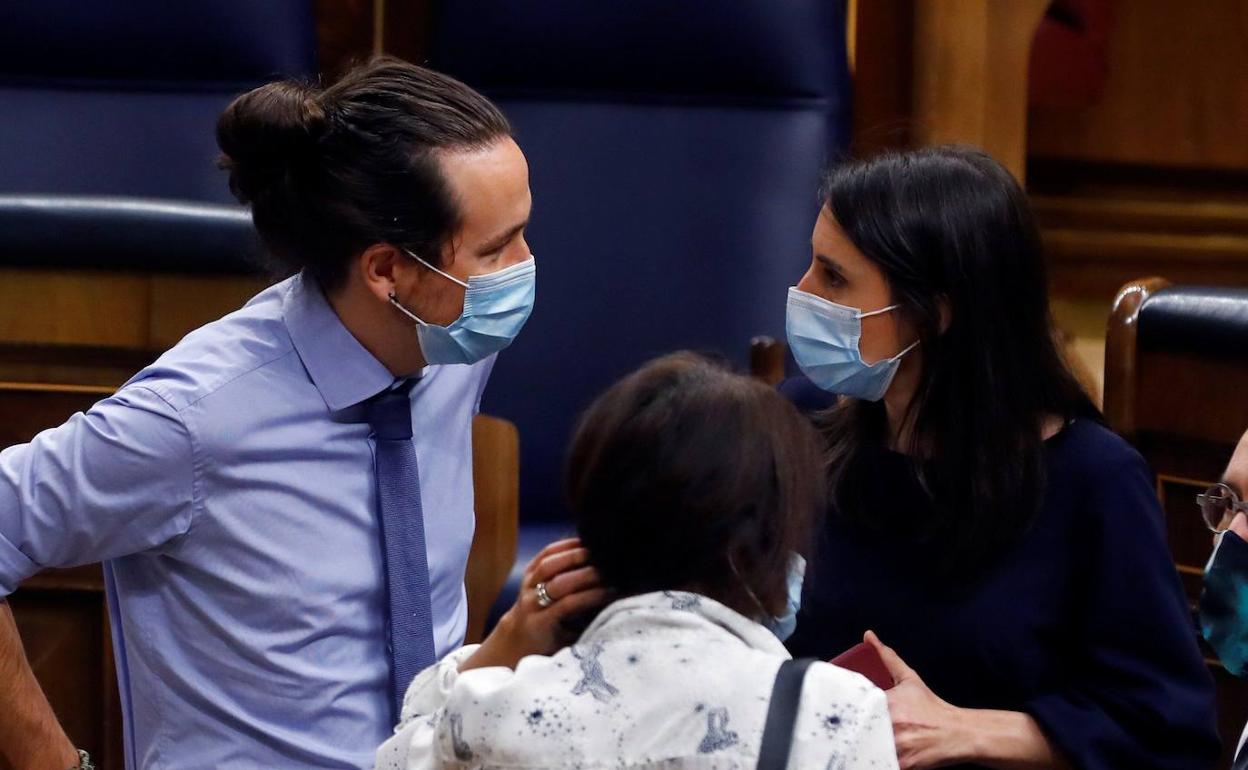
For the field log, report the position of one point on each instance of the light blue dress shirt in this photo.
(229, 490)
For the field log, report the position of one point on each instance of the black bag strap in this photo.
(773, 754)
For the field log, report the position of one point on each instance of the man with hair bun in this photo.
(283, 502)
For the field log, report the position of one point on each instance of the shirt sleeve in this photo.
(115, 480)
(1140, 694)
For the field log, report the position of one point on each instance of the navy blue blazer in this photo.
(1083, 624)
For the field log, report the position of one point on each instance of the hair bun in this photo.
(266, 133)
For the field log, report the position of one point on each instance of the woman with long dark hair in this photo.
(985, 524)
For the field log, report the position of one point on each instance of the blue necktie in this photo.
(410, 625)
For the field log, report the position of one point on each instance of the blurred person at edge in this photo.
(1006, 546)
(1224, 600)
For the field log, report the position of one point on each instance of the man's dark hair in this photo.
(329, 172)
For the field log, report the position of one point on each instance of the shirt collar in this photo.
(684, 609)
(342, 370)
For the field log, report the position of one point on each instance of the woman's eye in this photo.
(834, 278)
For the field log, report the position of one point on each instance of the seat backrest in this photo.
(675, 152)
(1175, 371)
(1176, 365)
(496, 490)
(126, 233)
(122, 98)
(767, 359)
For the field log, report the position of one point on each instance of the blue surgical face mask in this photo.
(1224, 603)
(824, 339)
(784, 625)
(495, 309)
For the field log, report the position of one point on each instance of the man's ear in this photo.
(379, 267)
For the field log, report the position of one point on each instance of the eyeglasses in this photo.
(1218, 505)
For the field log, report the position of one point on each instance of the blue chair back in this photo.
(122, 97)
(675, 148)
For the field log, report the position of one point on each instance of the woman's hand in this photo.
(928, 731)
(528, 628)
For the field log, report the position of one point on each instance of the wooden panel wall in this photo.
(1104, 225)
(346, 30)
(1177, 94)
(882, 46)
(1153, 178)
(942, 71)
(350, 30)
(970, 74)
(113, 309)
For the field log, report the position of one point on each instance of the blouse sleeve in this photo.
(843, 723)
(413, 744)
(870, 745)
(1140, 695)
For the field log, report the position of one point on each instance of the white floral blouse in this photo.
(662, 680)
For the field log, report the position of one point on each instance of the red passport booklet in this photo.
(863, 659)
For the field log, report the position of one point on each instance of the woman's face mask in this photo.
(824, 338)
(825, 312)
(784, 625)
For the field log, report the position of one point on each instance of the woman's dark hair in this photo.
(684, 475)
(953, 233)
(330, 171)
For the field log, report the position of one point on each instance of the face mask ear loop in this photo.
(912, 346)
(447, 276)
(395, 301)
(747, 588)
(881, 311)
(889, 309)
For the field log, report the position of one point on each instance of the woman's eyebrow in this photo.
(828, 262)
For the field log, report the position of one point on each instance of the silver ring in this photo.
(543, 598)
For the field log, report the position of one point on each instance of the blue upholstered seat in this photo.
(121, 100)
(675, 151)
